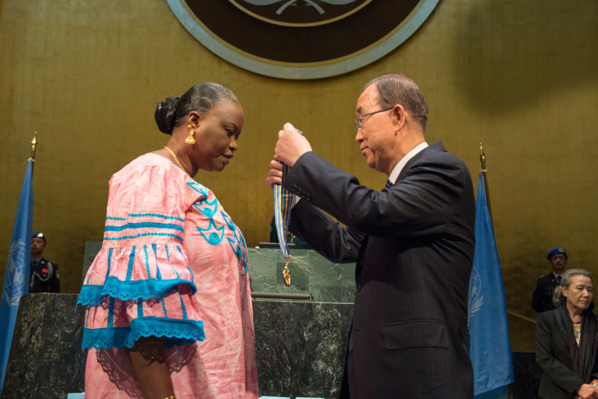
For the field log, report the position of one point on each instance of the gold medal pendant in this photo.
(286, 274)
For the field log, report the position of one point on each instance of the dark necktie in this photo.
(558, 279)
(388, 184)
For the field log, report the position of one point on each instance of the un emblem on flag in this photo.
(14, 288)
(302, 39)
(476, 298)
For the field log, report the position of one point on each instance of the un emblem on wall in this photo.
(300, 13)
(302, 39)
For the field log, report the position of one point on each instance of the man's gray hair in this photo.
(399, 89)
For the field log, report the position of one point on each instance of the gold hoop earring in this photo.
(191, 138)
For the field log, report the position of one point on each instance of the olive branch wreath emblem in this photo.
(287, 3)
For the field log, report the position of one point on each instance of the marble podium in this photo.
(46, 360)
(300, 345)
(300, 348)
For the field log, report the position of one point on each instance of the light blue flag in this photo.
(16, 277)
(490, 346)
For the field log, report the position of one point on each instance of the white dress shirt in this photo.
(399, 167)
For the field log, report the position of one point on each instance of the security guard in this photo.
(542, 299)
(44, 273)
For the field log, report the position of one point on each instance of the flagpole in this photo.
(483, 171)
(487, 193)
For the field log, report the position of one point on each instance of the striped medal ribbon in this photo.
(283, 201)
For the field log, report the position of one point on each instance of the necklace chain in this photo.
(176, 159)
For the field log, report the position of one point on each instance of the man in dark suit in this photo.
(545, 285)
(413, 243)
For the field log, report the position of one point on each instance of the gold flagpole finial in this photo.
(482, 157)
(485, 179)
(33, 145)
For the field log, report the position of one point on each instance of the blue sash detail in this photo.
(209, 209)
(213, 235)
(199, 188)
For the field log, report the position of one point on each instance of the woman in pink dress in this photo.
(168, 299)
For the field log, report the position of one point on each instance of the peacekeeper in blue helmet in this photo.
(44, 273)
(542, 298)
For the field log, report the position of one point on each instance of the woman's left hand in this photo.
(274, 173)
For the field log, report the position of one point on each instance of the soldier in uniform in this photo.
(542, 298)
(44, 273)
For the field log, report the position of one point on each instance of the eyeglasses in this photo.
(359, 121)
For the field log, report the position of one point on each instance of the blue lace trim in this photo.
(143, 215)
(145, 225)
(143, 235)
(126, 290)
(155, 215)
(176, 332)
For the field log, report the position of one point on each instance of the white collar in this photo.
(399, 167)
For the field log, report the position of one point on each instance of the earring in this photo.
(191, 138)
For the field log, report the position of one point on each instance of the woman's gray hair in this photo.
(558, 298)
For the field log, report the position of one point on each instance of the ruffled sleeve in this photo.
(140, 283)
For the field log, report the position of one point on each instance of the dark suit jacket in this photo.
(414, 244)
(553, 356)
(542, 298)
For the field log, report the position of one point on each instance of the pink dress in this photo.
(172, 265)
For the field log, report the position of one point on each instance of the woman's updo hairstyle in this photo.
(558, 298)
(200, 98)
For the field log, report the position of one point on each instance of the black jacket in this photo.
(553, 356)
(542, 298)
(414, 244)
(44, 277)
